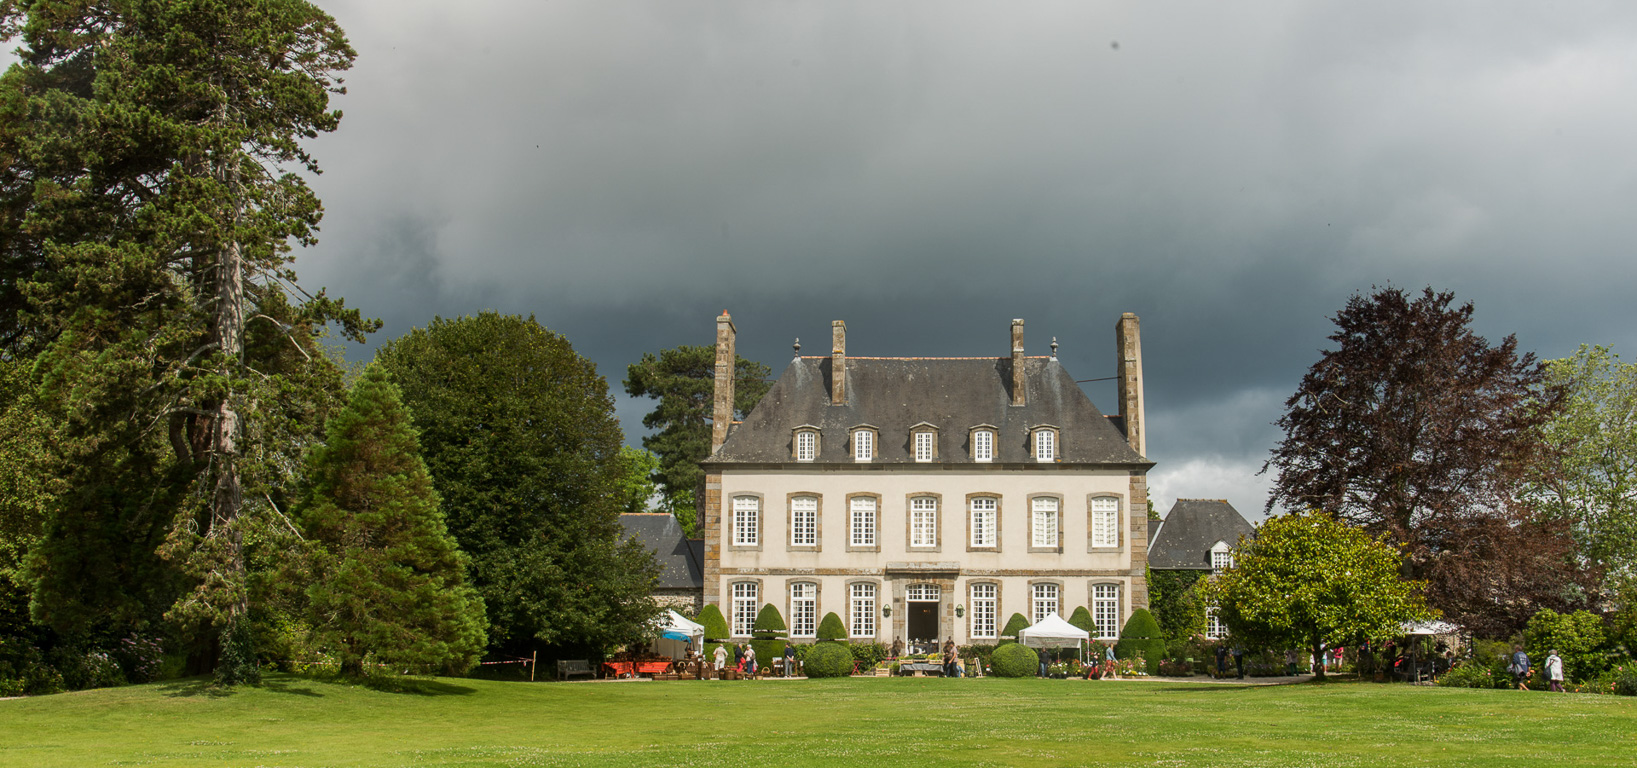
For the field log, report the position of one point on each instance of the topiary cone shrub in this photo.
(765, 635)
(828, 660)
(716, 628)
(831, 628)
(1009, 634)
(1014, 660)
(1142, 633)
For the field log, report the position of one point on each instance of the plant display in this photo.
(828, 660)
(1014, 660)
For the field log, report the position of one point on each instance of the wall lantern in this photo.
(886, 610)
(960, 610)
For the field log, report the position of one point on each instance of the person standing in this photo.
(1554, 671)
(1221, 660)
(739, 658)
(789, 659)
(750, 660)
(1044, 659)
(1239, 660)
(1108, 662)
(1520, 667)
(721, 657)
(949, 658)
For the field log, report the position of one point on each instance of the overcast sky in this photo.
(927, 171)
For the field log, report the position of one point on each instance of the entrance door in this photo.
(921, 620)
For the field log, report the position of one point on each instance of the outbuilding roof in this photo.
(1184, 539)
(953, 394)
(681, 560)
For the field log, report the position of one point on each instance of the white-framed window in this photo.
(1105, 610)
(803, 609)
(863, 521)
(923, 521)
(1045, 521)
(984, 610)
(862, 599)
(1214, 628)
(924, 593)
(1045, 445)
(1221, 557)
(746, 511)
(984, 511)
(863, 445)
(806, 445)
(744, 607)
(1045, 601)
(804, 521)
(924, 445)
(1105, 522)
(983, 445)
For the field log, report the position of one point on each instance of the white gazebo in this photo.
(675, 634)
(1053, 632)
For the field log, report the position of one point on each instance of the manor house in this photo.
(924, 499)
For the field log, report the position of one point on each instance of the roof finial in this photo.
(1054, 347)
(797, 345)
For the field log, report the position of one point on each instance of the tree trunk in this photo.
(1318, 660)
(227, 498)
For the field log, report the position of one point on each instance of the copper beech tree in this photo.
(1415, 428)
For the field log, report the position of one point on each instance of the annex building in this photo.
(926, 499)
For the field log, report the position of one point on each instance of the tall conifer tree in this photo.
(388, 585)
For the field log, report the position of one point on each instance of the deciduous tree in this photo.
(683, 381)
(1308, 579)
(519, 433)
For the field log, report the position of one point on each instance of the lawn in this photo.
(877, 722)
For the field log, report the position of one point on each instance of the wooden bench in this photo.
(567, 669)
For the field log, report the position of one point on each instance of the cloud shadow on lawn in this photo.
(418, 687)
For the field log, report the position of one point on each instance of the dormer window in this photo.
(1221, 556)
(983, 443)
(1045, 444)
(924, 440)
(863, 443)
(805, 443)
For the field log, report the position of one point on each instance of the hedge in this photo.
(1142, 633)
(829, 660)
(831, 628)
(1014, 660)
(715, 626)
(767, 644)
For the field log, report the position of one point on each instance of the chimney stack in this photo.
(1127, 336)
(838, 363)
(726, 363)
(1017, 363)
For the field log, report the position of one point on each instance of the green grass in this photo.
(878, 722)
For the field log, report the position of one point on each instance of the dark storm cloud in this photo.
(928, 171)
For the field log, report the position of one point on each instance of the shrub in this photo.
(1014, 660)
(983, 653)
(1142, 635)
(1009, 634)
(831, 628)
(868, 654)
(767, 644)
(716, 628)
(1625, 681)
(828, 660)
(1577, 637)
(1176, 668)
(1468, 675)
(1081, 619)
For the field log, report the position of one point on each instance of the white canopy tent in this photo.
(1053, 632)
(1434, 627)
(675, 634)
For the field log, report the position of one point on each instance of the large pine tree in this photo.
(388, 583)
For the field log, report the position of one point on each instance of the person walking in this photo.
(750, 661)
(1239, 660)
(739, 658)
(1221, 660)
(1290, 662)
(949, 658)
(1554, 671)
(1108, 662)
(1519, 667)
(721, 657)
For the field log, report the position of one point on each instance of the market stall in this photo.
(1054, 632)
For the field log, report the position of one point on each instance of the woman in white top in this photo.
(1554, 671)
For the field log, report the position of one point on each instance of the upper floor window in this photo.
(1045, 522)
(923, 521)
(1221, 557)
(746, 514)
(925, 443)
(984, 510)
(1045, 444)
(863, 521)
(804, 521)
(1105, 522)
(806, 444)
(983, 445)
(863, 444)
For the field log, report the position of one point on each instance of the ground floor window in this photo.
(863, 610)
(1105, 610)
(1045, 601)
(1214, 628)
(983, 610)
(744, 607)
(803, 609)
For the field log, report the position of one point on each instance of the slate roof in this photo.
(681, 560)
(954, 394)
(1189, 530)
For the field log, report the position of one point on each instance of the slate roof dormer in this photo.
(897, 394)
(1184, 539)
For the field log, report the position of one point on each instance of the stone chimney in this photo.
(1129, 341)
(726, 362)
(1018, 397)
(838, 363)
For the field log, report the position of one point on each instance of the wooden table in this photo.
(633, 668)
